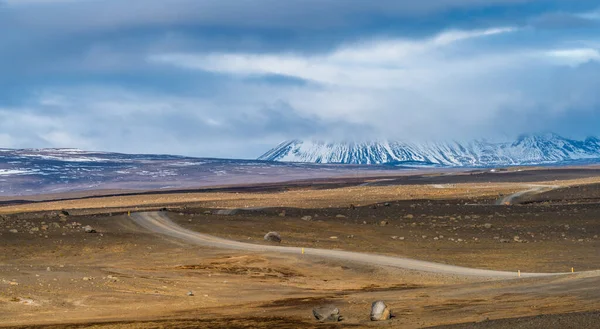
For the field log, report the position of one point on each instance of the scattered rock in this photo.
(340, 216)
(13, 231)
(504, 241)
(383, 223)
(328, 313)
(306, 218)
(380, 311)
(208, 212)
(89, 229)
(409, 216)
(387, 204)
(282, 214)
(333, 237)
(190, 293)
(395, 237)
(273, 237)
(487, 225)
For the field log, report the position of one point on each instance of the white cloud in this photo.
(574, 56)
(383, 64)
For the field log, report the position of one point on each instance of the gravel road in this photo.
(158, 222)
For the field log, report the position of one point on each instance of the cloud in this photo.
(575, 56)
(158, 123)
(232, 78)
(372, 65)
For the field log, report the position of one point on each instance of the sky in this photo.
(233, 78)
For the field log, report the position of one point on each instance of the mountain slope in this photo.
(526, 150)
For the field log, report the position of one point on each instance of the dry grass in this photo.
(302, 198)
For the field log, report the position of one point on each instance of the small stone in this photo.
(333, 237)
(13, 231)
(409, 216)
(282, 214)
(383, 223)
(327, 314)
(89, 229)
(395, 237)
(306, 218)
(387, 204)
(190, 293)
(340, 216)
(487, 226)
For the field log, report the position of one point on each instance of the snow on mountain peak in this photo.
(526, 150)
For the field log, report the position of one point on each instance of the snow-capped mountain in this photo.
(526, 150)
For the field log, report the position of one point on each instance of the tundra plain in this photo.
(55, 275)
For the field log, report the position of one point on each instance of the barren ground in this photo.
(54, 275)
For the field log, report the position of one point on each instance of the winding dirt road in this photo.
(158, 222)
(535, 189)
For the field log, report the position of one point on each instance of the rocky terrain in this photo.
(84, 263)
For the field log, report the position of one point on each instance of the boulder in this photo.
(328, 313)
(273, 237)
(380, 311)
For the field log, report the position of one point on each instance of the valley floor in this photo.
(54, 275)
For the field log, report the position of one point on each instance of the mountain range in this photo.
(526, 150)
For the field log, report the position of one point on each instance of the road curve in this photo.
(158, 222)
(535, 189)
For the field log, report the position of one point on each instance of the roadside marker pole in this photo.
(129, 213)
(302, 251)
(519, 273)
(572, 270)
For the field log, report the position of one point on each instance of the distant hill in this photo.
(526, 150)
(43, 171)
